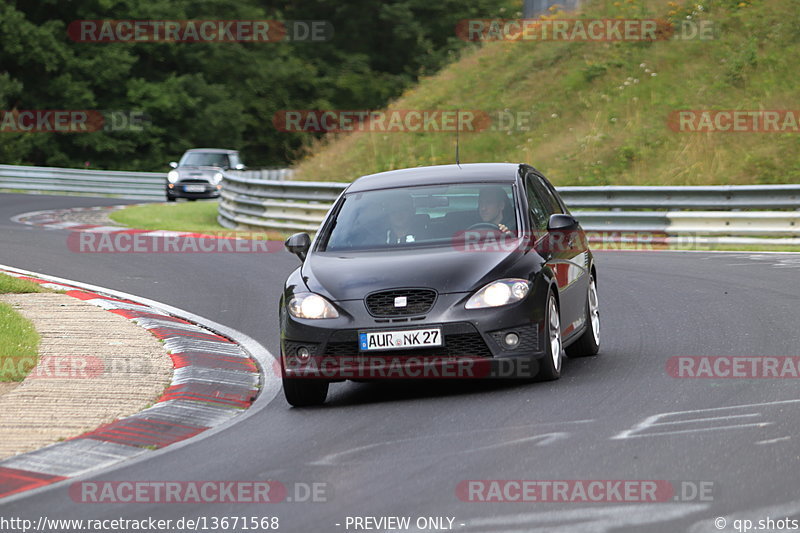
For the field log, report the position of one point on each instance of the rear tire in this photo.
(588, 344)
(550, 364)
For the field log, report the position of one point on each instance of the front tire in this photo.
(301, 392)
(550, 367)
(588, 343)
(305, 392)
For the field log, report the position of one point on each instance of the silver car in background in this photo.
(199, 172)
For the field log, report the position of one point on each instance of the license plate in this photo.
(393, 340)
(195, 188)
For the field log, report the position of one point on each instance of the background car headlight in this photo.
(217, 178)
(498, 293)
(173, 176)
(310, 305)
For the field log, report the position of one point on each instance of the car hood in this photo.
(351, 276)
(197, 172)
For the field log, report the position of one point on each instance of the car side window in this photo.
(536, 207)
(550, 200)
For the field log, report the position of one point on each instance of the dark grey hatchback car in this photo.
(471, 271)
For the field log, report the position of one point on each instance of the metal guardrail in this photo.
(756, 214)
(279, 174)
(705, 197)
(275, 205)
(680, 211)
(134, 185)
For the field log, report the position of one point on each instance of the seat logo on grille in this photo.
(401, 301)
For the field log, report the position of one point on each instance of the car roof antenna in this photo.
(458, 129)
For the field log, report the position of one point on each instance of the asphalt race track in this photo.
(401, 450)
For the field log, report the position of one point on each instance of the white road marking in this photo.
(709, 419)
(773, 441)
(543, 439)
(656, 421)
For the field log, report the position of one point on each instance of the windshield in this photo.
(421, 216)
(204, 159)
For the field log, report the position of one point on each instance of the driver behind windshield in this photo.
(495, 208)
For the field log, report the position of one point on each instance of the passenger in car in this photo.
(404, 225)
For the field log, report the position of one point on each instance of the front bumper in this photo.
(473, 343)
(178, 190)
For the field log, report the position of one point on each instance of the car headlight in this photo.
(310, 305)
(173, 176)
(217, 178)
(498, 293)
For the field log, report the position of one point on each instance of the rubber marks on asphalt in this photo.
(214, 380)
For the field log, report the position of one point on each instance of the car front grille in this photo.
(418, 302)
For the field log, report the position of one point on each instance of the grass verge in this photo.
(12, 285)
(19, 342)
(196, 217)
(598, 113)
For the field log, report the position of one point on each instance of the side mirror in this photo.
(562, 235)
(173, 164)
(239, 167)
(298, 244)
(561, 222)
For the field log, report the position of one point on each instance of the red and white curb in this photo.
(216, 379)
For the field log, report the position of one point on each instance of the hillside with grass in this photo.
(596, 113)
